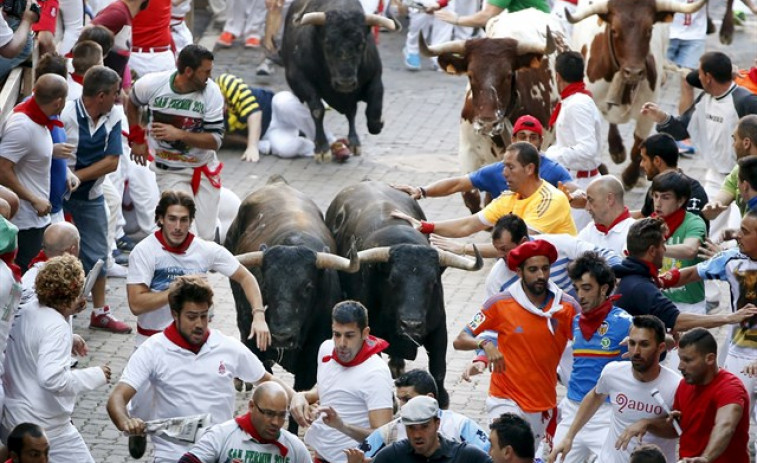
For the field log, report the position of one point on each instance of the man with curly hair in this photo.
(39, 383)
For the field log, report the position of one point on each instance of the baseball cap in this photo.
(419, 409)
(528, 123)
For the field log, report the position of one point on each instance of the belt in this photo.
(177, 18)
(587, 173)
(150, 49)
(162, 166)
(146, 332)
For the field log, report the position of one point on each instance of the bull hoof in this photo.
(238, 384)
(603, 169)
(726, 37)
(472, 200)
(322, 158)
(618, 157)
(356, 150)
(630, 176)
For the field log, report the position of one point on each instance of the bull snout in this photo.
(344, 85)
(412, 328)
(488, 128)
(633, 75)
(285, 340)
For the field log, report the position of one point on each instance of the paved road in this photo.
(418, 145)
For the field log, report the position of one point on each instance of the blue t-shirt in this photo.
(491, 180)
(590, 357)
(58, 172)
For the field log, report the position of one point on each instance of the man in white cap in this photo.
(420, 415)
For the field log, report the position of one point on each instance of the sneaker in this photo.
(265, 68)
(340, 150)
(116, 271)
(413, 61)
(125, 244)
(120, 258)
(685, 148)
(108, 322)
(225, 39)
(137, 446)
(252, 42)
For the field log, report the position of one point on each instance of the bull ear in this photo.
(453, 63)
(663, 17)
(528, 60)
(263, 247)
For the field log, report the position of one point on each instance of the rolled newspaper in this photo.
(180, 429)
(658, 398)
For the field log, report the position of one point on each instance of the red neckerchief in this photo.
(175, 337)
(673, 221)
(753, 75)
(40, 257)
(606, 229)
(571, 89)
(35, 113)
(372, 345)
(245, 423)
(10, 260)
(590, 322)
(181, 249)
(79, 79)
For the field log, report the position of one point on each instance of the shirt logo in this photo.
(605, 343)
(478, 319)
(519, 329)
(624, 402)
(221, 368)
(603, 328)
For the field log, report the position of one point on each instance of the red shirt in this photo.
(699, 405)
(116, 17)
(152, 27)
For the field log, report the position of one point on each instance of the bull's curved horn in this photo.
(546, 49)
(455, 46)
(374, 255)
(449, 259)
(597, 7)
(316, 18)
(327, 260)
(381, 21)
(251, 259)
(674, 7)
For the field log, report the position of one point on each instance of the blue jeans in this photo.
(92, 221)
(7, 64)
(686, 53)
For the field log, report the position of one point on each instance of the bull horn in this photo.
(546, 49)
(374, 255)
(449, 259)
(455, 46)
(674, 7)
(381, 21)
(597, 7)
(325, 260)
(251, 259)
(317, 18)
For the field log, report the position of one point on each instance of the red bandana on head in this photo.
(245, 423)
(673, 221)
(590, 322)
(35, 113)
(571, 89)
(372, 345)
(175, 337)
(180, 249)
(606, 229)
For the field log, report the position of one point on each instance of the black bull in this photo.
(280, 236)
(329, 54)
(400, 274)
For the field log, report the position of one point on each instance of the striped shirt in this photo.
(242, 101)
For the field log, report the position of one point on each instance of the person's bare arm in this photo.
(21, 34)
(463, 248)
(439, 188)
(98, 169)
(686, 250)
(453, 228)
(300, 406)
(251, 289)
(687, 321)
(478, 19)
(254, 127)
(377, 419)
(717, 204)
(142, 300)
(9, 179)
(269, 377)
(726, 420)
(116, 407)
(637, 215)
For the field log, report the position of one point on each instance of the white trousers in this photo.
(141, 196)
(206, 200)
(72, 21)
(730, 218)
(181, 34)
(245, 18)
(145, 63)
(592, 436)
(434, 30)
(735, 364)
(496, 406)
(289, 118)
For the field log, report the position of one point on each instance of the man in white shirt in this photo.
(26, 151)
(577, 123)
(611, 217)
(258, 433)
(354, 387)
(629, 387)
(189, 367)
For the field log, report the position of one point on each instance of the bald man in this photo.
(59, 239)
(259, 433)
(26, 151)
(610, 216)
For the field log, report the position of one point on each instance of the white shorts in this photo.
(592, 436)
(496, 406)
(145, 63)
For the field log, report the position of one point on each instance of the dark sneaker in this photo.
(125, 244)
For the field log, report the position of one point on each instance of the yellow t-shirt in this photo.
(545, 211)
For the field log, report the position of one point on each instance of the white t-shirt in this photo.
(689, 26)
(353, 392)
(6, 33)
(10, 293)
(40, 386)
(632, 401)
(74, 89)
(187, 384)
(200, 111)
(228, 442)
(150, 264)
(577, 135)
(30, 147)
(614, 240)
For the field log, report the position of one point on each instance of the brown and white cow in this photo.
(510, 74)
(624, 49)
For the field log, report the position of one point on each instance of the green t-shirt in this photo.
(691, 227)
(516, 5)
(731, 186)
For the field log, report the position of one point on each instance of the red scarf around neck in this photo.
(590, 322)
(181, 249)
(35, 113)
(173, 335)
(372, 345)
(245, 423)
(606, 229)
(673, 221)
(571, 89)
(40, 257)
(79, 79)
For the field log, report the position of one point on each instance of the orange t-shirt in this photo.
(747, 79)
(530, 350)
